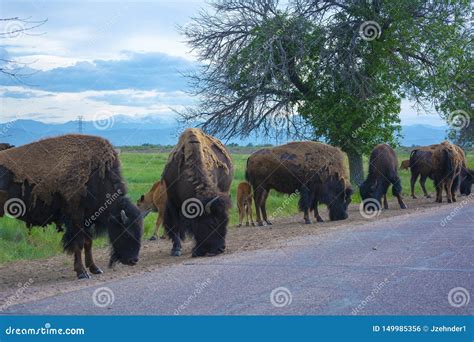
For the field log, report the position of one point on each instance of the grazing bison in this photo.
(421, 164)
(313, 169)
(154, 200)
(5, 146)
(72, 180)
(448, 161)
(244, 203)
(198, 175)
(382, 173)
(467, 177)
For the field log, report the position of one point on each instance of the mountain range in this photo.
(123, 130)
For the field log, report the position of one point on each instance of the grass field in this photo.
(141, 170)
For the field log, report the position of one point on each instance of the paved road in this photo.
(404, 265)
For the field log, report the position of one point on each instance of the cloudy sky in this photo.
(104, 58)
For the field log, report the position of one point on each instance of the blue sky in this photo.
(115, 57)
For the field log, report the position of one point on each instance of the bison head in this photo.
(125, 233)
(371, 189)
(467, 177)
(338, 196)
(210, 228)
(145, 204)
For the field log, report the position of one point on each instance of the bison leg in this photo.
(397, 192)
(241, 208)
(413, 178)
(171, 222)
(439, 192)
(159, 221)
(264, 207)
(316, 212)
(257, 196)
(447, 188)
(385, 202)
(249, 211)
(78, 265)
(422, 183)
(90, 264)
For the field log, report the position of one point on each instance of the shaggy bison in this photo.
(313, 169)
(154, 200)
(198, 175)
(72, 180)
(244, 203)
(382, 173)
(467, 177)
(448, 161)
(5, 146)
(421, 165)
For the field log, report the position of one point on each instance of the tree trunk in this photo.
(356, 167)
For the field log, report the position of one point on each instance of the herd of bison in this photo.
(85, 193)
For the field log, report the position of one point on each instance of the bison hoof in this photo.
(162, 237)
(307, 221)
(260, 224)
(239, 225)
(414, 197)
(175, 253)
(95, 270)
(319, 219)
(153, 238)
(83, 275)
(428, 196)
(403, 206)
(268, 223)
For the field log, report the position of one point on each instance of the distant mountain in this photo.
(123, 130)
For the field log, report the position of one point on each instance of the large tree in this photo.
(326, 69)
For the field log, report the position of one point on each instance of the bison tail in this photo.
(447, 162)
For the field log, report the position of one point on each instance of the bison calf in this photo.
(314, 170)
(244, 203)
(405, 165)
(382, 173)
(154, 200)
(421, 165)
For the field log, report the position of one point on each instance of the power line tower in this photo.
(80, 124)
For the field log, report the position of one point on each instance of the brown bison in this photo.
(448, 161)
(382, 173)
(467, 177)
(154, 200)
(72, 180)
(313, 169)
(244, 203)
(198, 176)
(421, 165)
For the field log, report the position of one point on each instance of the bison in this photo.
(154, 200)
(382, 173)
(244, 203)
(467, 177)
(313, 169)
(198, 176)
(75, 181)
(405, 165)
(421, 165)
(448, 160)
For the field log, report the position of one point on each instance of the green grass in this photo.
(141, 170)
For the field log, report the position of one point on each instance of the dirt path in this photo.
(23, 281)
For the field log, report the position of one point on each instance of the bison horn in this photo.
(123, 216)
(209, 204)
